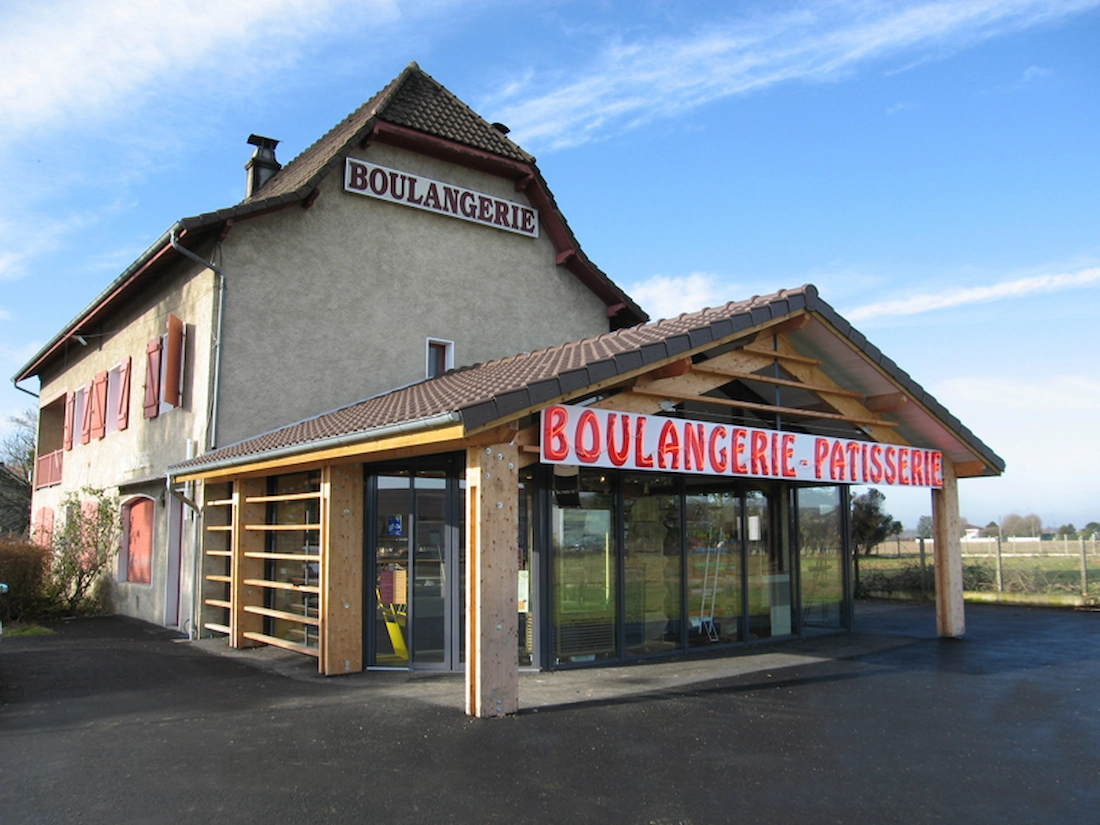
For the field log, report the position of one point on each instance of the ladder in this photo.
(710, 592)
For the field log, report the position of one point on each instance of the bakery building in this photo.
(386, 413)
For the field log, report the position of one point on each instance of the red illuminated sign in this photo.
(630, 441)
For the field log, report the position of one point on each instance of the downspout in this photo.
(211, 430)
(212, 422)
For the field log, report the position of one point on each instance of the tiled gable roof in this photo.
(497, 391)
(414, 100)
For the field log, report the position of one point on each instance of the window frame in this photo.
(432, 346)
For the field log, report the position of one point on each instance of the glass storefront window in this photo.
(526, 579)
(768, 564)
(820, 538)
(713, 508)
(651, 563)
(584, 566)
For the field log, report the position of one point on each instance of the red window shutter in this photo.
(86, 418)
(172, 391)
(123, 411)
(70, 414)
(42, 530)
(152, 378)
(99, 405)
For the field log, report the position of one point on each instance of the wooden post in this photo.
(923, 569)
(950, 618)
(341, 569)
(1084, 569)
(246, 541)
(1000, 568)
(492, 573)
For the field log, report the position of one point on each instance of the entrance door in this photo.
(419, 571)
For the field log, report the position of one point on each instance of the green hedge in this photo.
(23, 570)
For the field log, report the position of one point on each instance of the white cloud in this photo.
(23, 239)
(1018, 288)
(1044, 427)
(70, 59)
(633, 82)
(665, 296)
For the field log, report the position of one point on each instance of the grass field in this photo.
(1052, 567)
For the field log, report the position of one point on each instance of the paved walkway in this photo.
(115, 721)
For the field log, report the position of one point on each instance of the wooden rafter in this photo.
(781, 356)
(887, 402)
(781, 382)
(769, 408)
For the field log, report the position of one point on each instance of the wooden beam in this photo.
(790, 325)
(780, 382)
(947, 532)
(442, 439)
(769, 408)
(969, 469)
(783, 357)
(887, 402)
(341, 569)
(492, 573)
(630, 402)
(681, 367)
(246, 567)
(810, 373)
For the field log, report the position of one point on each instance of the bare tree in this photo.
(17, 448)
(16, 474)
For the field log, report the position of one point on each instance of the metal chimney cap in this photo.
(261, 142)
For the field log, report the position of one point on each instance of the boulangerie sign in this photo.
(630, 441)
(395, 186)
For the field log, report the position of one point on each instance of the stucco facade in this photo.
(329, 305)
(129, 461)
(301, 299)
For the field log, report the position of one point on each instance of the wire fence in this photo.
(1055, 571)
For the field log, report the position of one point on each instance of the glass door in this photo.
(429, 584)
(768, 565)
(392, 537)
(419, 568)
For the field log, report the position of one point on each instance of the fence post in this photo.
(1000, 570)
(923, 574)
(1084, 569)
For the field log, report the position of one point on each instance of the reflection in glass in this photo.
(651, 572)
(768, 564)
(584, 566)
(429, 619)
(820, 541)
(713, 509)
(393, 532)
(526, 583)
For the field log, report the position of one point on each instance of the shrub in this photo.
(83, 547)
(23, 569)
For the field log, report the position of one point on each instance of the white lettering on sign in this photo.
(396, 186)
(605, 438)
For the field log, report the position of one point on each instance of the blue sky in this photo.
(932, 167)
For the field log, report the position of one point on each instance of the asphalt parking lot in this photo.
(114, 721)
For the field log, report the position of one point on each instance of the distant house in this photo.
(385, 412)
(15, 503)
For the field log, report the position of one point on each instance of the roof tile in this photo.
(487, 392)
